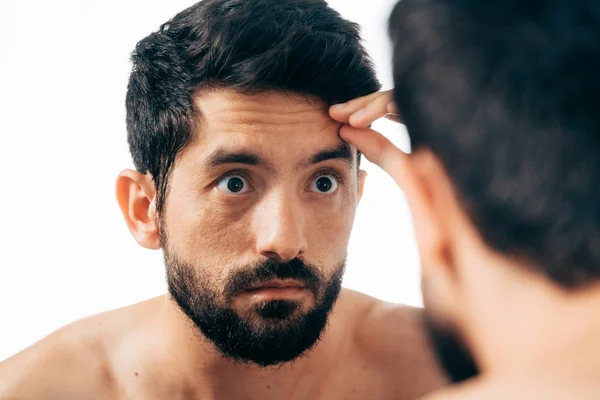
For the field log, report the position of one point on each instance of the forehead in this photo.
(270, 123)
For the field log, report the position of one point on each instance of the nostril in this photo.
(273, 256)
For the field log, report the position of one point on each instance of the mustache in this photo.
(264, 271)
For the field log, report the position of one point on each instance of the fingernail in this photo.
(358, 113)
(340, 105)
(391, 107)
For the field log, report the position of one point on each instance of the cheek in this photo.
(201, 231)
(328, 228)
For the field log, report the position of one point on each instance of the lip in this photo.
(287, 289)
(278, 284)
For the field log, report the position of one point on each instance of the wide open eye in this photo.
(233, 184)
(325, 184)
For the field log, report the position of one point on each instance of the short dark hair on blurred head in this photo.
(506, 93)
(295, 46)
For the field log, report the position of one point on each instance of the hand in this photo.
(363, 111)
(373, 145)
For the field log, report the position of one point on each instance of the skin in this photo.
(531, 338)
(369, 350)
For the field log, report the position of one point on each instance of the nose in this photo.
(280, 228)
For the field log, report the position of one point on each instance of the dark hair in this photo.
(296, 46)
(506, 93)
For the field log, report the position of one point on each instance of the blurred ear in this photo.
(362, 177)
(136, 195)
(433, 205)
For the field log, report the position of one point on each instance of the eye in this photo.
(233, 184)
(326, 183)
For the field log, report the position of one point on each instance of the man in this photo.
(242, 180)
(500, 99)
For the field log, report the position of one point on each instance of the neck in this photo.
(200, 367)
(528, 325)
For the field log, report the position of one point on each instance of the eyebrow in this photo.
(342, 151)
(222, 157)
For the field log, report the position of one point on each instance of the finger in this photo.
(342, 112)
(393, 113)
(375, 109)
(379, 150)
(394, 117)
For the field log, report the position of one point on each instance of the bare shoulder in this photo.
(61, 365)
(71, 363)
(394, 338)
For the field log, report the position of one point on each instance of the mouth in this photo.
(277, 289)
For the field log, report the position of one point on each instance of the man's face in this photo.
(257, 221)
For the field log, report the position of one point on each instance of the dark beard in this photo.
(451, 352)
(283, 332)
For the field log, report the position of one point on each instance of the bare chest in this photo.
(353, 382)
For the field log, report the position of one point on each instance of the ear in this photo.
(136, 195)
(362, 177)
(432, 201)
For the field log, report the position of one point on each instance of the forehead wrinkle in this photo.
(273, 102)
(242, 125)
(270, 109)
(267, 118)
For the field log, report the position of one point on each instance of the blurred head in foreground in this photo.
(501, 101)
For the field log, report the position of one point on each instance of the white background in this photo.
(65, 251)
